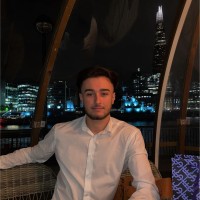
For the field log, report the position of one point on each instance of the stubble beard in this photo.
(94, 117)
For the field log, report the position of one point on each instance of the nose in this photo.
(97, 98)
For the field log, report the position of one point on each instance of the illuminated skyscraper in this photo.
(56, 95)
(10, 96)
(160, 43)
(27, 95)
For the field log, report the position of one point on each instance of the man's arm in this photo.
(39, 153)
(138, 163)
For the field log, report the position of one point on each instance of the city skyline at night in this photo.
(142, 89)
(139, 96)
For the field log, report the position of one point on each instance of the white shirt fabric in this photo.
(91, 165)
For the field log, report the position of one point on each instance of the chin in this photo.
(97, 117)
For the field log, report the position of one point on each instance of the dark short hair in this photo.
(96, 71)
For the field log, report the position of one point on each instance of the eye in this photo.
(88, 94)
(104, 94)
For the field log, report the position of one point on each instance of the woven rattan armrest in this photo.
(32, 181)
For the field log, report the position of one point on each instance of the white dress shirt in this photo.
(91, 165)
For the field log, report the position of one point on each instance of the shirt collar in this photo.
(107, 130)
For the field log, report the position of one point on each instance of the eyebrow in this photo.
(102, 90)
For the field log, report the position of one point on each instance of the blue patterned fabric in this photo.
(185, 177)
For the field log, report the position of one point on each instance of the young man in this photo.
(92, 151)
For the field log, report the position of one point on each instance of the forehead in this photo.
(96, 83)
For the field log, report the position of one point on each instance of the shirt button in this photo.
(86, 196)
(87, 175)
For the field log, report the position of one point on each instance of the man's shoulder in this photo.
(121, 122)
(123, 125)
(68, 124)
(124, 132)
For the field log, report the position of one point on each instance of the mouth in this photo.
(97, 108)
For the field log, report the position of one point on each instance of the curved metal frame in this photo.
(37, 123)
(166, 77)
(188, 77)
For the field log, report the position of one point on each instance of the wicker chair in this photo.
(27, 182)
(125, 189)
(37, 181)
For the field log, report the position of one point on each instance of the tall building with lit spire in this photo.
(160, 43)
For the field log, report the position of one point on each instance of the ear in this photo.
(81, 97)
(113, 97)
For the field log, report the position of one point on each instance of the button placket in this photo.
(89, 167)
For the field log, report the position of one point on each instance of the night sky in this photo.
(22, 44)
(134, 50)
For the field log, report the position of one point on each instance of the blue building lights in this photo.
(131, 104)
(70, 106)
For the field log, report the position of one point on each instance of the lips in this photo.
(97, 108)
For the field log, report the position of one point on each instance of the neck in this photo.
(97, 126)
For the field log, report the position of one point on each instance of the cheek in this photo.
(87, 101)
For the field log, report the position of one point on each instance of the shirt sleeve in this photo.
(39, 153)
(138, 163)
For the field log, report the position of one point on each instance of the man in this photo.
(93, 150)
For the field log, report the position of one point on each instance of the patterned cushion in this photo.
(185, 177)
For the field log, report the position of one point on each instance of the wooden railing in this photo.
(169, 140)
(12, 140)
